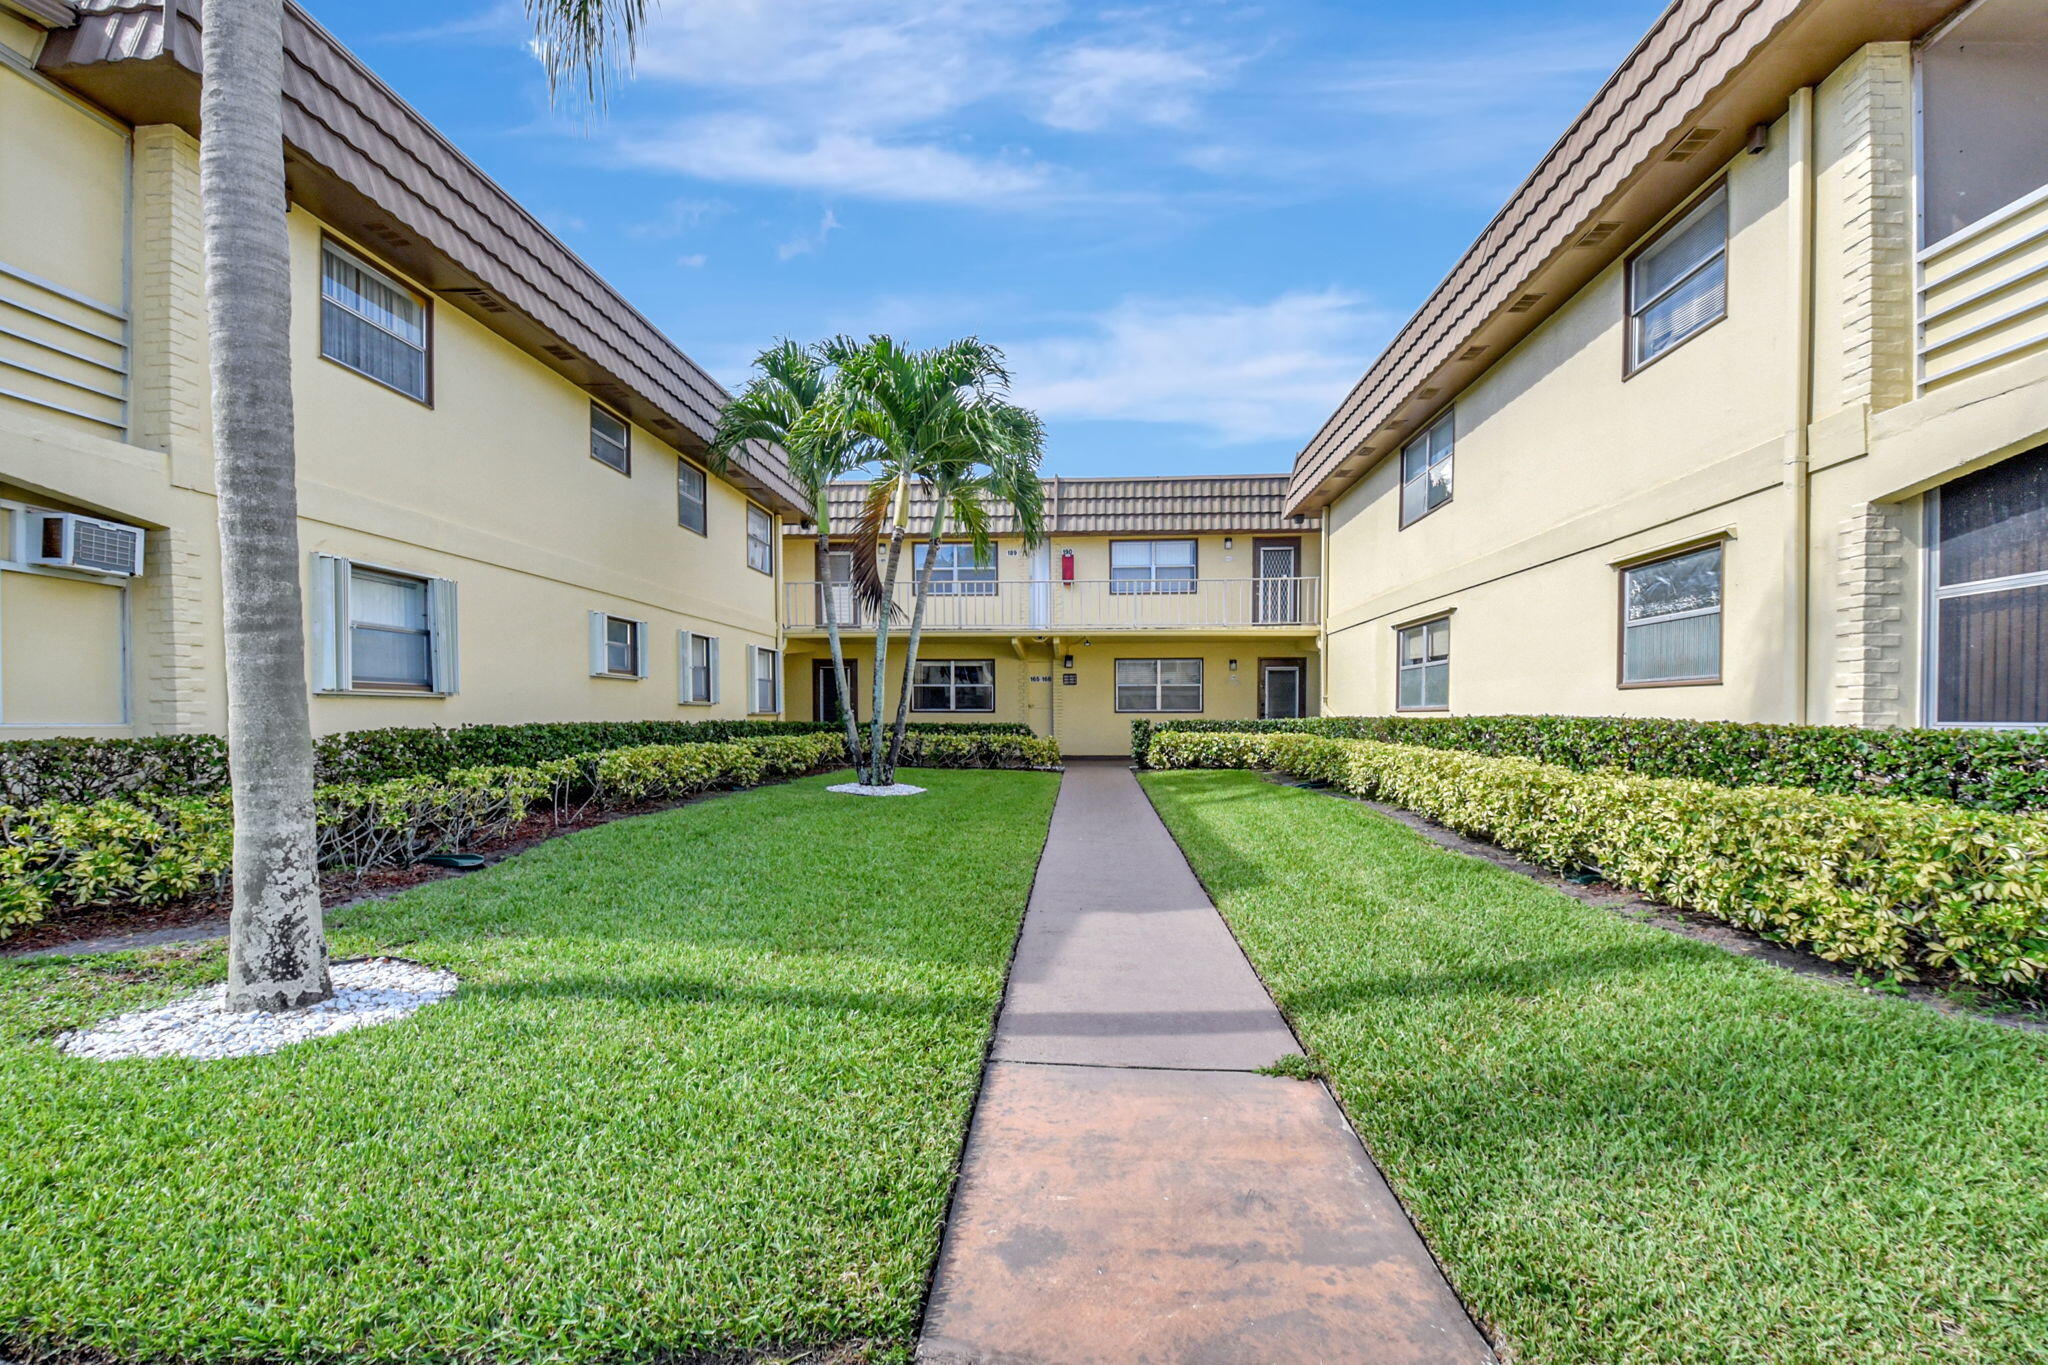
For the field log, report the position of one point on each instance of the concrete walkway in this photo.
(1131, 1193)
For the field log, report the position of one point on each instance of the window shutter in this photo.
(640, 643)
(597, 668)
(714, 670)
(775, 676)
(442, 639)
(683, 697)
(330, 623)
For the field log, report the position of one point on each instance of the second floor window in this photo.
(692, 497)
(957, 573)
(760, 540)
(1678, 285)
(1426, 470)
(1140, 566)
(1423, 666)
(371, 323)
(611, 440)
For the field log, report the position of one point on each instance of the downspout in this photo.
(1800, 197)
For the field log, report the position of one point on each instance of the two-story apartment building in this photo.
(1739, 407)
(1161, 598)
(504, 506)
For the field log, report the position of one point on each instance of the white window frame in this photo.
(624, 443)
(1402, 666)
(600, 646)
(1153, 583)
(687, 693)
(330, 247)
(332, 634)
(973, 579)
(1715, 199)
(952, 688)
(1438, 443)
(765, 543)
(756, 656)
(1720, 550)
(1935, 594)
(702, 525)
(1158, 688)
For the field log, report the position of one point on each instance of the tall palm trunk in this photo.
(921, 590)
(831, 614)
(899, 518)
(277, 951)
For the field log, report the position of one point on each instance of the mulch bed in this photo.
(209, 910)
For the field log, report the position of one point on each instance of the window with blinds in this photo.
(1989, 575)
(957, 572)
(692, 497)
(1671, 619)
(1426, 470)
(760, 540)
(1150, 566)
(1158, 684)
(1422, 673)
(955, 685)
(371, 323)
(611, 440)
(1678, 285)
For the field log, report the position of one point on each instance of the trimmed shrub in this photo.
(34, 771)
(1893, 886)
(2002, 770)
(145, 849)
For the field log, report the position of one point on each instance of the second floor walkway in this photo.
(1039, 606)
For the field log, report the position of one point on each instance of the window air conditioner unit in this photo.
(69, 541)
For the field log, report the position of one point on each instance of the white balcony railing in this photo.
(1983, 293)
(1038, 606)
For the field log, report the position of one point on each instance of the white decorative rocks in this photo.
(893, 789)
(375, 990)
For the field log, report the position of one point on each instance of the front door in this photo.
(825, 689)
(1280, 691)
(1275, 596)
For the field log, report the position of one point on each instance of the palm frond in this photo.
(586, 42)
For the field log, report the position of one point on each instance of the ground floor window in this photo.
(618, 646)
(1988, 645)
(1423, 672)
(1158, 684)
(380, 629)
(766, 679)
(955, 685)
(1671, 619)
(697, 665)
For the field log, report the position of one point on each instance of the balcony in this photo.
(1983, 293)
(1041, 607)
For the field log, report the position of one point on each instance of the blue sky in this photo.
(1190, 225)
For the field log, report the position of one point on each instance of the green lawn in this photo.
(702, 1089)
(1627, 1146)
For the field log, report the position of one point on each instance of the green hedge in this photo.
(33, 771)
(146, 849)
(1895, 886)
(2003, 770)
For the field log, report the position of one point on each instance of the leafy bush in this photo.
(144, 849)
(34, 771)
(1896, 886)
(2003, 770)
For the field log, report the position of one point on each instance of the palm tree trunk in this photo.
(919, 593)
(277, 950)
(900, 518)
(831, 614)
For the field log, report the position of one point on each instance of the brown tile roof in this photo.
(1199, 503)
(1664, 123)
(360, 157)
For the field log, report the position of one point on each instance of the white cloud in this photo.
(759, 151)
(678, 217)
(804, 243)
(692, 261)
(1088, 87)
(1245, 371)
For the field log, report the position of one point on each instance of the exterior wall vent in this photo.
(482, 298)
(69, 541)
(559, 352)
(1691, 144)
(1472, 352)
(388, 235)
(1525, 303)
(1598, 233)
(1428, 393)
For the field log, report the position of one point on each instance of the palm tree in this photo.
(935, 421)
(993, 464)
(785, 404)
(277, 947)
